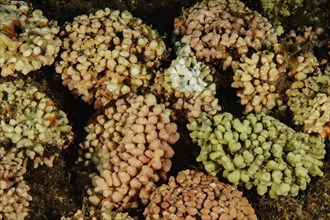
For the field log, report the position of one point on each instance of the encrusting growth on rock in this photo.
(221, 31)
(108, 54)
(130, 145)
(28, 39)
(258, 151)
(32, 128)
(91, 213)
(187, 87)
(194, 195)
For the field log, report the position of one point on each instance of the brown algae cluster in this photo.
(259, 151)
(192, 195)
(108, 54)
(32, 128)
(28, 39)
(130, 145)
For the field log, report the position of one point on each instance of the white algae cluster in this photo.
(187, 86)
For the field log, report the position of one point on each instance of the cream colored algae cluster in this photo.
(31, 124)
(108, 54)
(194, 195)
(91, 213)
(309, 102)
(130, 145)
(259, 151)
(256, 79)
(14, 197)
(28, 39)
(32, 128)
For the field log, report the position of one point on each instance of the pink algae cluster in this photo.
(108, 54)
(221, 31)
(194, 195)
(130, 145)
(270, 75)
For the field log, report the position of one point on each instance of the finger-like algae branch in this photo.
(258, 151)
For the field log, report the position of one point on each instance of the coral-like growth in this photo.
(31, 125)
(14, 197)
(14, 200)
(91, 213)
(309, 102)
(130, 146)
(256, 79)
(194, 195)
(220, 31)
(28, 39)
(187, 87)
(258, 151)
(108, 54)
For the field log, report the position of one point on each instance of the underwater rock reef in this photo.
(215, 109)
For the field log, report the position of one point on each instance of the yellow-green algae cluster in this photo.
(277, 9)
(258, 151)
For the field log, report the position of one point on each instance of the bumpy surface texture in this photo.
(31, 125)
(187, 87)
(14, 197)
(130, 144)
(28, 39)
(256, 79)
(91, 213)
(108, 54)
(309, 102)
(31, 128)
(258, 151)
(194, 195)
(224, 30)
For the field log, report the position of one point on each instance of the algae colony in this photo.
(137, 109)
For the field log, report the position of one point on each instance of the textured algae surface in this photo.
(56, 191)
